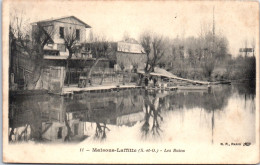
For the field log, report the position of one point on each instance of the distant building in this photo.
(129, 46)
(129, 54)
(247, 51)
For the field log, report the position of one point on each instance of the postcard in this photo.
(130, 81)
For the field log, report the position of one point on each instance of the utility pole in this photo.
(213, 28)
(213, 52)
(213, 31)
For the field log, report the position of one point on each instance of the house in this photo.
(129, 55)
(55, 53)
(54, 74)
(60, 29)
(57, 72)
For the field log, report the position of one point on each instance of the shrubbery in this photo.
(237, 69)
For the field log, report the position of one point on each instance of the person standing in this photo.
(146, 81)
(154, 81)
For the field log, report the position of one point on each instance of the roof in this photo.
(57, 19)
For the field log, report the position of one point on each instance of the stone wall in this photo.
(52, 79)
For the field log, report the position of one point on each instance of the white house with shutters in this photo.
(60, 27)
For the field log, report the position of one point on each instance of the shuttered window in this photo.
(77, 34)
(61, 32)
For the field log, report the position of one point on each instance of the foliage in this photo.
(206, 51)
(100, 48)
(154, 48)
(126, 60)
(22, 43)
(70, 40)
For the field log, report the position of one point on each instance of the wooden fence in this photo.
(108, 75)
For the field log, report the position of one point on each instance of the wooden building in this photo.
(129, 55)
(53, 75)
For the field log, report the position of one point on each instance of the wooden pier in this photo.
(96, 89)
(69, 91)
(193, 87)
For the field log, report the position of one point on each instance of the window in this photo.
(61, 47)
(61, 32)
(77, 34)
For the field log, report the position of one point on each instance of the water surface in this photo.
(223, 114)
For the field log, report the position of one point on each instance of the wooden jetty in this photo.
(108, 88)
(162, 88)
(193, 87)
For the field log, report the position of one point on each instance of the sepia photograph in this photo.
(130, 81)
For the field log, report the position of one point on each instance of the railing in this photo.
(108, 75)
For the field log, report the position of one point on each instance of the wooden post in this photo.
(69, 77)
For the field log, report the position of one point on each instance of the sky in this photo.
(237, 20)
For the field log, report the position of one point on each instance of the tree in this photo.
(122, 67)
(99, 49)
(20, 42)
(103, 74)
(70, 40)
(40, 37)
(69, 131)
(209, 52)
(208, 66)
(98, 46)
(18, 30)
(192, 49)
(154, 48)
(177, 49)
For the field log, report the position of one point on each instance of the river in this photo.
(226, 113)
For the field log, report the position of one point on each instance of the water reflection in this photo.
(127, 114)
(152, 109)
(101, 131)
